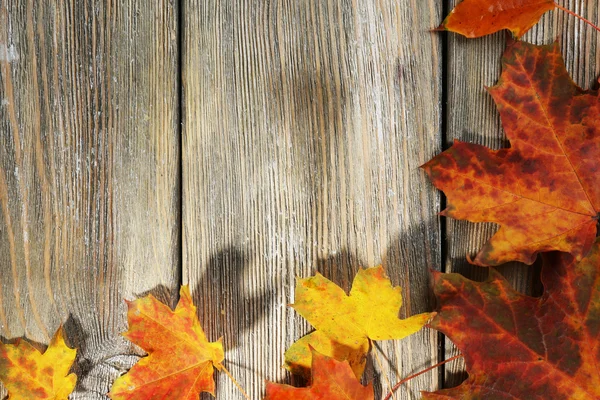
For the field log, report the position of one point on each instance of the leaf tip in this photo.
(184, 291)
(474, 261)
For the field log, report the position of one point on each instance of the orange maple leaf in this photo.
(29, 374)
(544, 191)
(344, 324)
(474, 18)
(331, 380)
(180, 361)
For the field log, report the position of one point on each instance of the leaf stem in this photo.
(577, 16)
(235, 382)
(403, 381)
(381, 367)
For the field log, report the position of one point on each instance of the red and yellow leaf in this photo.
(474, 18)
(331, 380)
(544, 191)
(519, 347)
(180, 359)
(345, 324)
(29, 374)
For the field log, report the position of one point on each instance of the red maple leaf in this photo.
(331, 380)
(544, 191)
(520, 347)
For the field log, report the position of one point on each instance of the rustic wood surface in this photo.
(303, 126)
(471, 114)
(89, 173)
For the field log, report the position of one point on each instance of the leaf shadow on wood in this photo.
(77, 338)
(224, 305)
(97, 360)
(162, 293)
(14, 340)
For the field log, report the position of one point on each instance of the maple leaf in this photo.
(346, 324)
(520, 347)
(331, 380)
(544, 191)
(474, 18)
(180, 361)
(29, 374)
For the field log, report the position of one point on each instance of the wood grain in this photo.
(89, 176)
(472, 116)
(305, 123)
(304, 126)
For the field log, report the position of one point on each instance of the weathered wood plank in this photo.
(472, 116)
(304, 126)
(89, 177)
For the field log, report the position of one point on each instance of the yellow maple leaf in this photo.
(345, 324)
(180, 358)
(29, 374)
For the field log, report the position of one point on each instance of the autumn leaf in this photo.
(474, 18)
(29, 374)
(331, 380)
(520, 347)
(180, 361)
(544, 191)
(346, 324)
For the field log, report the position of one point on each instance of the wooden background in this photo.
(234, 145)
